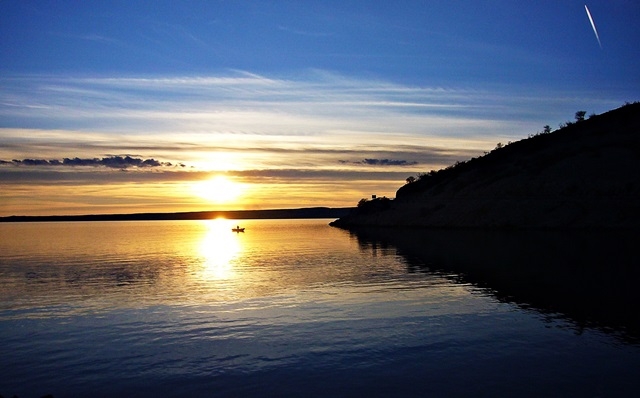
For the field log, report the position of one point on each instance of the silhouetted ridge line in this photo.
(584, 175)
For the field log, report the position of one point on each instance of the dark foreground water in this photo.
(297, 308)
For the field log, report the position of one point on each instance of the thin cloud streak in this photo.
(593, 25)
(248, 103)
(226, 99)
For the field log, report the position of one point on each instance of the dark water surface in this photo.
(295, 307)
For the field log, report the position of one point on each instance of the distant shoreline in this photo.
(310, 212)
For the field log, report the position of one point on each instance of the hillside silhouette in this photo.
(583, 175)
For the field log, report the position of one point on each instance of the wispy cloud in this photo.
(245, 103)
(240, 120)
(241, 103)
(187, 119)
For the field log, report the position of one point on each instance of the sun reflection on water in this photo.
(219, 248)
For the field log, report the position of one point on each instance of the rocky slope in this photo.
(585, 175)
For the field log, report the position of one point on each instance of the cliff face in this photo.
(585, 175)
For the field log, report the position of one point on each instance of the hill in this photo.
(309, 212)
(584, 175)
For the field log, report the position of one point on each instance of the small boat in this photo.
(237, 229)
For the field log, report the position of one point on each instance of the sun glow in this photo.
(219, 189)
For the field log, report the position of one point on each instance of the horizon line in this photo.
(289, 213)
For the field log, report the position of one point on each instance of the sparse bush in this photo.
(410, 179)
(366, 206)
(422, 176)
(580, 116)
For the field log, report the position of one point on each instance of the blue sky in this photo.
(292, 99)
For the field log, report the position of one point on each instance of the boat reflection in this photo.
(588, 278)
(219, 249)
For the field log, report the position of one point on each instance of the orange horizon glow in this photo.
(180, 197)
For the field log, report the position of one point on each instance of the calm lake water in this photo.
(297, 308)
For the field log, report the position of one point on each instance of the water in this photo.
(295, 307)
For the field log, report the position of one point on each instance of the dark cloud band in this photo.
(114, 162)
(382, 162)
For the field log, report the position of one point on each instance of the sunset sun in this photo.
(219, 189)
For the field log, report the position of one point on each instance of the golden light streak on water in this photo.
(219, 248)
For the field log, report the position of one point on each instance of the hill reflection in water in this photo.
(589, 278)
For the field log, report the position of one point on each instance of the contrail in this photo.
(593, 25)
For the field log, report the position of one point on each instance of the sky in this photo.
(162, 106)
